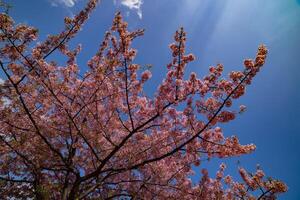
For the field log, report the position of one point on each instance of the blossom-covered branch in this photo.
(71, 135)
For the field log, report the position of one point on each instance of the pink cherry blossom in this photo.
(67, 134)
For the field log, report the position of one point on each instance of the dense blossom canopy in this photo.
(97, 135)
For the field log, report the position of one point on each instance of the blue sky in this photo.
(225, 31)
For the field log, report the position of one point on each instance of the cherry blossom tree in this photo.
(66, 134)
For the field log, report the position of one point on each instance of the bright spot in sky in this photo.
(68, 3)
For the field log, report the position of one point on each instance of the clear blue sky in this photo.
(225, 31)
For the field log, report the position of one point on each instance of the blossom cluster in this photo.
(97, 135)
